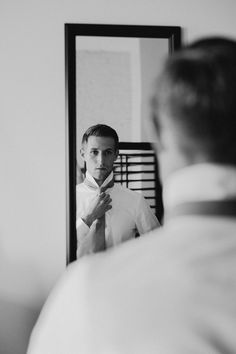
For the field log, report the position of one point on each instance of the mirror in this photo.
(110, 71)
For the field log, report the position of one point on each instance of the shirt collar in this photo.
(92, 180)
(205, 181)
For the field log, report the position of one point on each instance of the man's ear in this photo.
(116, 153)
(82, 152)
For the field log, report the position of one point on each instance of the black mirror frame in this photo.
(171, 33)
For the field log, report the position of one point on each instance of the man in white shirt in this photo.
(173, 291)
(126, 212)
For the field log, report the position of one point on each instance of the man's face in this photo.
(99, 153)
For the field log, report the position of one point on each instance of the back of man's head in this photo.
(196, 99)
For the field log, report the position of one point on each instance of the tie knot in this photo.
(109, 185)
(101, 189)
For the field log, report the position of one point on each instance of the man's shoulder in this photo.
(118, 286)
(131, 255)
(129, 274)
(79, 186)
(82, 188)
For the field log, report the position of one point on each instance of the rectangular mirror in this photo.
(110, 71)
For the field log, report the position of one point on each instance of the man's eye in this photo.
(108, 152)
(94, 152)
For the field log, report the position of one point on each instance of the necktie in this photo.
(97, 231)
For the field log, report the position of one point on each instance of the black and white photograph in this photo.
(118, 177)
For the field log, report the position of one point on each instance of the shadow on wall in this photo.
(17, 321)
(20, 302)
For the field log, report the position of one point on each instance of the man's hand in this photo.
(97, 208)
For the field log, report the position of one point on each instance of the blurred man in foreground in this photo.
(173, 291)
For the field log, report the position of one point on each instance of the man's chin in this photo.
(100, 175)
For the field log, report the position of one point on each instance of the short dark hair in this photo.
(101, 130)
(197, 90)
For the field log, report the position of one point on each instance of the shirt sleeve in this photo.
(84, 238)
(145, 218)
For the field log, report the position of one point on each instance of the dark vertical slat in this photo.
(126, 170)
(70, 80)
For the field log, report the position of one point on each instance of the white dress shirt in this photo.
(171, 292)
(200, 182)
(130, 213)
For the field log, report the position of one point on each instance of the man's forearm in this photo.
(88, 219)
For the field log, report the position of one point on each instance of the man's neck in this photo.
(101, 181)
(200, 182)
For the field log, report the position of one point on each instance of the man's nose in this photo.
(100, 158)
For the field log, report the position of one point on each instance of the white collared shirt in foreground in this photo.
(200, 182)
(170, 292)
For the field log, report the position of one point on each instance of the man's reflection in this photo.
(107, 213)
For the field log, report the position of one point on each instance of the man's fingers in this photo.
(106, 203)
(105, 198)
(108, 200)
(107, 207)
(102, 195)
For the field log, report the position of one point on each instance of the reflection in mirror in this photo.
(114, 78)
(110, 72)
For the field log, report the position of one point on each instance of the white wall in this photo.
(32, 135)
